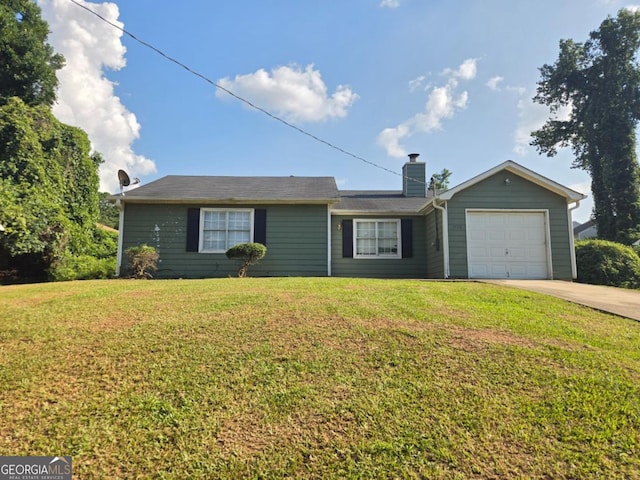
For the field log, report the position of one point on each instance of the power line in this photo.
(237, 97)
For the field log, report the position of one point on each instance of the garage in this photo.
(508, 244)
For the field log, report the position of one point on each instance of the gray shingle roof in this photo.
(219, 189)
(375, 201)
(183, 188)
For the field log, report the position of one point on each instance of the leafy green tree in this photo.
(441, 180)
(49, 201)
(28, 63)
(599, 81)
(109, 213)
(48, 189)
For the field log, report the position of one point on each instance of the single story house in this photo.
(508, 222)
(585, 230)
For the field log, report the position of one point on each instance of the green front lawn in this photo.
(317, 378)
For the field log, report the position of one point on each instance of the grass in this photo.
(317, 378)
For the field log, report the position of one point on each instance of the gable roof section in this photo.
(219, 189)
(517, 169)
(584, 226)
(377, 202)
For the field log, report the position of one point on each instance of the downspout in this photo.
(445, 228)
(328, 240)
(445, 235)
(120, 207)
(574, 268)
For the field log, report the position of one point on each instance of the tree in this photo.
(247, 254)
(48, 189)
(28, 63)
(441, 180)
(49, 200)
(599, 81)
(109, 213)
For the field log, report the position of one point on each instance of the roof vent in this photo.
(413, 157)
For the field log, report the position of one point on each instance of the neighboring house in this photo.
(508, 222)
(586, 230)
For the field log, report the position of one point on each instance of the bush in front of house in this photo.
(601, 262)
(83, 267)
(142, 261)
(247, 254)
(96, 260)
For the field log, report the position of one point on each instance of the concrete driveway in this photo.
(619, 301)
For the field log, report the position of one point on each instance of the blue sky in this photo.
(452, 81)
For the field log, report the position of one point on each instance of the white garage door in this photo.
(507, 245)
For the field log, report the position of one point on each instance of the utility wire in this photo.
(237, 97)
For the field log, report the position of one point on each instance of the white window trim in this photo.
(203, 211)
(398, 254)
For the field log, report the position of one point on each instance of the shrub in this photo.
(607, 263)
(248, 254)
(82, 267)
(86, 256)
(142, 260)
(105, 243)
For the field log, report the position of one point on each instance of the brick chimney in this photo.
(414, 177)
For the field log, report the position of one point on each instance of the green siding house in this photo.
(508, 222)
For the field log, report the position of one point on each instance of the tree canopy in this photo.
(28, 63)
(48, 187)
(598, 81)
(441, 180)
(49, 201)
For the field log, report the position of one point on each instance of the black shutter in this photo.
(347, 238)
(193, 229)
(406, 231)
(260, 226)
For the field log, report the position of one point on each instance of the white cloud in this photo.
(466, 71)
(519, 90)
(417, 83)
(86, 97)
(632, 8)
(442, 103)
(297, 95)
(494, 83)
(390, 3)
(390, 138)
(532, 116)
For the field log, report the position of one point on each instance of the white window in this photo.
(376, 239)
(221, 229)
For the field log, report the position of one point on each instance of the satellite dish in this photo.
(125, 181)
